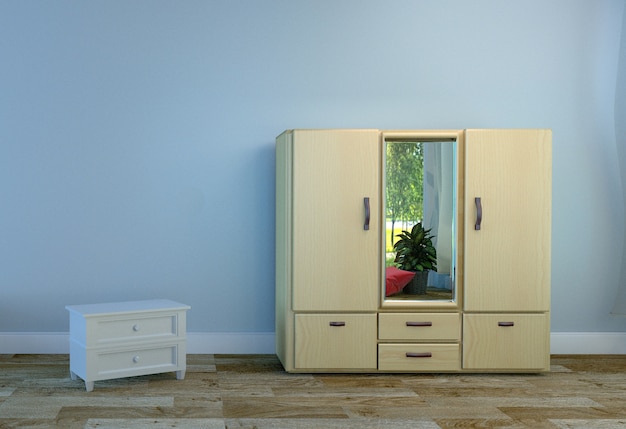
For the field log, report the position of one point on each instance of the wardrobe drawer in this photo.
(506, 341)
(419, 326)
(419, 357)
(335, 341)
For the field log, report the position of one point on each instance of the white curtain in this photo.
(439, 200)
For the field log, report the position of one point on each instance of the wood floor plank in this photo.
(261, 407)
(253, 391)
(326, 423)
(586, 424)
(185, 423)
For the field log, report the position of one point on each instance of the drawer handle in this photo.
(419, 323)
(136, 328)
(136, 359)
(419, 355)
(337, 323)
(506, 323)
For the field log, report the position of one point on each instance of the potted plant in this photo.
(415, 252)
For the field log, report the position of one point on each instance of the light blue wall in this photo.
(620, 136)
(137, 137)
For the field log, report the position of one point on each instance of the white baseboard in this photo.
(231, 343)
(588, 343)
(263, 343)
(34, 343)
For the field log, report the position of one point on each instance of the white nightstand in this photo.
(127, 339)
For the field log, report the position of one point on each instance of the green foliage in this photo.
(415, 250)
(404, 180)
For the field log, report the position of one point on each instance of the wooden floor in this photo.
(252, 391)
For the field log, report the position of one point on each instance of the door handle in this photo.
(479, 213)
(366, 203)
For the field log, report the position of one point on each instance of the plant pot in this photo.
(418, 285)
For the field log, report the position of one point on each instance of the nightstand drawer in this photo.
(134, 362)
(419, 326)
(133, 328)
(419, 357)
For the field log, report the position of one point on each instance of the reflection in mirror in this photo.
(420, 210)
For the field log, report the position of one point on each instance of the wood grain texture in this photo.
(253, 391)
(520, 343)
(335, 261)
(419, 357)
(507, 261)
(335, 341)
(419, 326)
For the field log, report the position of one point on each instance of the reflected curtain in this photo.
(439, 200)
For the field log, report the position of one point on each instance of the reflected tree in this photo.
(404, 187)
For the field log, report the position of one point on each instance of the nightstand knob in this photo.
(136, 359)
(135, 327)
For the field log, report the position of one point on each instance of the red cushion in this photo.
(397, 279)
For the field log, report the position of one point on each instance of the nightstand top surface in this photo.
(126, 307)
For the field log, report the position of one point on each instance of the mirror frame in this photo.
(426, 135)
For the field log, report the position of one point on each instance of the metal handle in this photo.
(506, 323)
(337, 323)
(419, 355)
(136, 328)
(419, 323)
(366, 203)
(479, 213)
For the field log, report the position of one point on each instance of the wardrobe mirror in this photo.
(420, 198)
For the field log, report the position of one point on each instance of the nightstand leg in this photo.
(89, 386)
(180, 375)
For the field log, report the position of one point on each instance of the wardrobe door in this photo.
(336, 220)
(507, 220)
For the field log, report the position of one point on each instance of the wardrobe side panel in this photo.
(283, 314)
